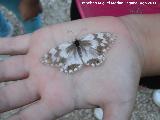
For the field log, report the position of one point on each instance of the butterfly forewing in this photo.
(93, 54)
(65, 57)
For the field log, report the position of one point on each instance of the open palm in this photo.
(51, 93)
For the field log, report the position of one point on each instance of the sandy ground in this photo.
(57, 11)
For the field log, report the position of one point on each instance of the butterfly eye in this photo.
(76, 42)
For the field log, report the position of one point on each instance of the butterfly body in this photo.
(78, 46)
(77, 43)
(87, 50)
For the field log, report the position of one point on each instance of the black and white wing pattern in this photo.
(94, 53)
(67, 61)
(87, 50)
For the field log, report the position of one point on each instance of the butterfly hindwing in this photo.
(67, 60)
(93, 54)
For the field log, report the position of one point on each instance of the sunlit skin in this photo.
(112, 86)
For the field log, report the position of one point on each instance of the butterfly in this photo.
(87, 50)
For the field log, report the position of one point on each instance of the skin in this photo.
(51, 93)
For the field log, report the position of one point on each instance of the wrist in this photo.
(141, 29)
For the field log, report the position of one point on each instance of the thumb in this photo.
(118, 111)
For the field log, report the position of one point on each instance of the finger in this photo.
(14, 45)
(36, 111)
(17, 94)
(13, 68)
(116, 111)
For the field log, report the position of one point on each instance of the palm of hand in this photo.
(111, 86)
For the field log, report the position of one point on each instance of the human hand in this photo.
(112, 86)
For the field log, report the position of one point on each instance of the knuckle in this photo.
(4, 100)
(20, 115)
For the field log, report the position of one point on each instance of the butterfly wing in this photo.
(93, 47)
(65, 56)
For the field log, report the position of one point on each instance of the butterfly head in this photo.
(77, 43)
